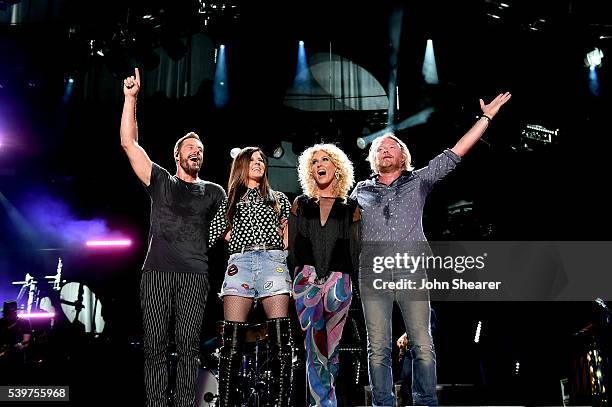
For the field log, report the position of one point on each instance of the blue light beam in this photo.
(68, 90)
(220, 85)
(430, 70)
(593, 81)
(302, 83)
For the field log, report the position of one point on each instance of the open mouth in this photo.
(194, 159)
(321, 173)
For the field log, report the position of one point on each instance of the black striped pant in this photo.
(160, 294)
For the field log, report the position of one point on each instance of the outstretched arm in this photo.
(475, 133)
(140, 161)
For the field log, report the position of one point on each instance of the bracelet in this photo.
(485, 116)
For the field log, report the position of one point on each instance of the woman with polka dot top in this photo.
(252, 220)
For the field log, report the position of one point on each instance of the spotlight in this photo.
(278, 152)
(414, 120)
(361, 143)
(234, 152)
(430, 71)
(220, 89)
(68, 89)
(108, 243)
(28, 315)
(477, 334)
(593, 58)
(303, 80)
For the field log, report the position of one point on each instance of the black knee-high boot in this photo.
(281, 341)
(229, 363)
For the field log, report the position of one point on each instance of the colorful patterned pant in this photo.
(322, 308)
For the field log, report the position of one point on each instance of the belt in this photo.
(252, 248)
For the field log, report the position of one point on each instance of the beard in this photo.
(190, 167)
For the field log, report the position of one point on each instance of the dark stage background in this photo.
(64, 177)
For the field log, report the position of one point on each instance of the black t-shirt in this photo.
(181, 213)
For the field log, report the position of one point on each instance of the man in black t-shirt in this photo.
(175, 272)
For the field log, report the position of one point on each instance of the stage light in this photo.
(430, 71)
(414, 120)
(109, 243)
(593, 58)
(220, 89)
(68, 89)
(278, 152)
(397, 97)
(234, 152)
(36, 315)
(477, 334)
(361, 143)
(517, 366)
(302, 82)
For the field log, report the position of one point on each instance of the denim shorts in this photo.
(257, 274)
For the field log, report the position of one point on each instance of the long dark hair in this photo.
(239, 179)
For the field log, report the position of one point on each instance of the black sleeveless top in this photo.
(332, 247)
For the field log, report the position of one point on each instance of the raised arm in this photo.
(140, 161)
(475, 133)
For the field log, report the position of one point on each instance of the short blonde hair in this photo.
(376, 143)
(343, 165)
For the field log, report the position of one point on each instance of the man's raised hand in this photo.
(131, 84)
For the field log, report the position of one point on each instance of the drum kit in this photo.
(254, 379)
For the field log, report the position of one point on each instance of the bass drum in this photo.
(208, 388)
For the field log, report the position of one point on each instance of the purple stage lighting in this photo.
(36, 315)
(109, 243)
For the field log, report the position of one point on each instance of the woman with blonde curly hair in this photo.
(323, 237)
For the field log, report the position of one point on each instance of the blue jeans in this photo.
(377, 309)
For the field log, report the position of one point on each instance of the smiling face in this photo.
(257, 167)
(322, 169)
(191, 156)
(389, 156)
